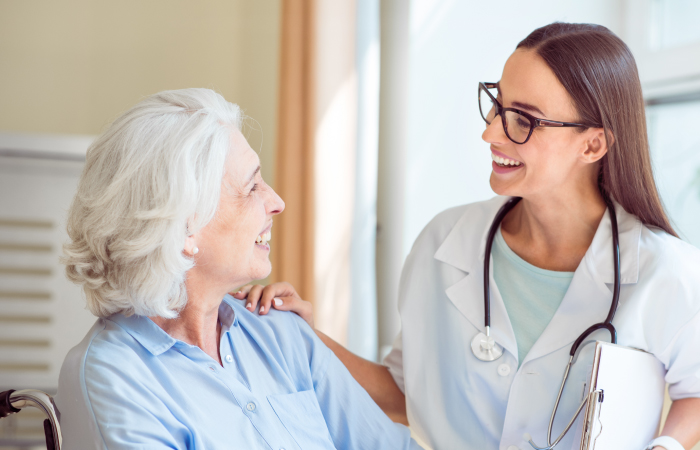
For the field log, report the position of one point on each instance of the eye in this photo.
(254, 188)
(522, 122)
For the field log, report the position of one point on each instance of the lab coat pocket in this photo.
(301, 415)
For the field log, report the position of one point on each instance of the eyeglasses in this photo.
(517, 124)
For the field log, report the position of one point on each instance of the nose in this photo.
(494, 133)
(274, 203)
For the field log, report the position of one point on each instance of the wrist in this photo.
(664, 443)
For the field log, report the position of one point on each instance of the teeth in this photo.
(504, 161)
(264, 238)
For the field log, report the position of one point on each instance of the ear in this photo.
(596, 146)
(191, 245)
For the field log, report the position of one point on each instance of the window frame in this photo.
(664, 72)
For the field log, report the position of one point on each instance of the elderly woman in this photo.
(172, 213)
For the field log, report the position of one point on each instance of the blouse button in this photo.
(504, 370)
(250, 406)
(229, 358)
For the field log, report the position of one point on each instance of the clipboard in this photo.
(625, 399)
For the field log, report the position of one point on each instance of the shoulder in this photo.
(87, 371)
(469, 218)
(275, 325)
(111, 354)
(296, 343)
(667, 286)
(668, 262)
(100, 343)
(71, 382)
(107, 347)
(668, 249)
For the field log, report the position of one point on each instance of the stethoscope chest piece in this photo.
(485, 348)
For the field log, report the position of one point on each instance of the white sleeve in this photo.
(683, 374)
(394, 362)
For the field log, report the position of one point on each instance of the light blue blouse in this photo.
(130, 385)
(531, 295)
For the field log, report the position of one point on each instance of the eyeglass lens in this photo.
(517, 126)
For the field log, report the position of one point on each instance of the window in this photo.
(675, 148)
(674, 23)
(665, 40)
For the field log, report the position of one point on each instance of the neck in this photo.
(198, 322)
(554, 232)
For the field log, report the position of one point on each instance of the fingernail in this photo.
(262, 309)
(278, 302)
(248, 305)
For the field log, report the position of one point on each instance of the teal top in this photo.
(531, 295)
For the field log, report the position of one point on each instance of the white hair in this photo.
(150, 180)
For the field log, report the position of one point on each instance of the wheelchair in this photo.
(12, 402)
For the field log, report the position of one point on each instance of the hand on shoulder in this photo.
(281, 296)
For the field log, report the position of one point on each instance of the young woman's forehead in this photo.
(527, 80)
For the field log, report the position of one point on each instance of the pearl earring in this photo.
(195, 250)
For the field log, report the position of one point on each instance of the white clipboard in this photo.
(625, 399)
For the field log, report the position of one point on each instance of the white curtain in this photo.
(345, 173)
(362, 329)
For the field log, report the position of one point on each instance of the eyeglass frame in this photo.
(534, 121)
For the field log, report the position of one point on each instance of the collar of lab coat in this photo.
(464, 248)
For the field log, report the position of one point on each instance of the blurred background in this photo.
(364, 113)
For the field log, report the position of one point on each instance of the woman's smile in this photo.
(262, 241)
(503, 164)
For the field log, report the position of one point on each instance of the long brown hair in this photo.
(599, 72)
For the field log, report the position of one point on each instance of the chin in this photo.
(497, 187)
(500, 188)
(262, 272)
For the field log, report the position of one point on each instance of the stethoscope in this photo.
(486, 349)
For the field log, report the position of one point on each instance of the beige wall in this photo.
(73, 66)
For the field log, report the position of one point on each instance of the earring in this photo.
(195, 250)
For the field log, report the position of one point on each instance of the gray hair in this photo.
(150, 180)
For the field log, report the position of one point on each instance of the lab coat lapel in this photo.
(586, 302)
(588, 299)
(464, 249)
(630, 230)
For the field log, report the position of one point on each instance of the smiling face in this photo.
(554, 158)
(233, 248)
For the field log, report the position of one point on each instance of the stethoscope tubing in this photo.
(505, 209)
(606, 325)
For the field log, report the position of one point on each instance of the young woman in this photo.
(566, 129)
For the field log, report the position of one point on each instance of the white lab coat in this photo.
(456, 401)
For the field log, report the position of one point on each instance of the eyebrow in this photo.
(255, 172)
(528, 107)
(521, 105)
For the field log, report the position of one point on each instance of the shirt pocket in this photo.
(301, 415)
